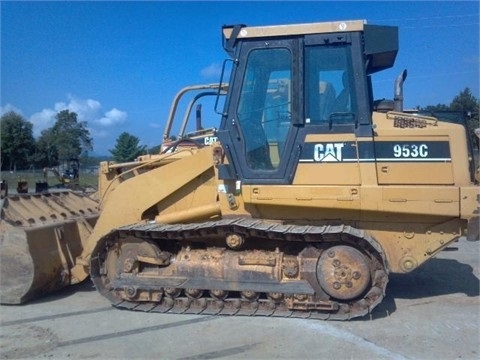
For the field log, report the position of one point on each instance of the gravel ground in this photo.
(431, 313)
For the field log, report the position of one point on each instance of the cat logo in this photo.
(329, 152)
(209, 140)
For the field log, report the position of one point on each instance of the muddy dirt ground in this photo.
(431, 313)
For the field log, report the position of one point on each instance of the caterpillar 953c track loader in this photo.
(302, 202)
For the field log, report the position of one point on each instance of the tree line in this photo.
(67, 139)
(70, 138)
(464, 104)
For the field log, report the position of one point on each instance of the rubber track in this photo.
(235, 306)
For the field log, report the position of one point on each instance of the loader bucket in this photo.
(40, 237)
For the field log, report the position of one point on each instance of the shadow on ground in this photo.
(434, 278)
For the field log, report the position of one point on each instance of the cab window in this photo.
(329, 84)
(264, 107)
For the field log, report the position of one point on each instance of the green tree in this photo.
(17, 141)
(434, 108)
(468, 104)
(70, 136)
(127, 148)
(464, 103)
(46, 154)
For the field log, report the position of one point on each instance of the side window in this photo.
(328, 82)
(265, 106)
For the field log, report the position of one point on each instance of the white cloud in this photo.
(112, 118)
(89, 110)
(9, 107)
(42, 120)
(211, 71)
(101, 124)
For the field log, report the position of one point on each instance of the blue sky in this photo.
(119, 64)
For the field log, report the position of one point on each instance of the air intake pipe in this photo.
(398, 91)
(198, 117)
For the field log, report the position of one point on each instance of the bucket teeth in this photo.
(41, 236)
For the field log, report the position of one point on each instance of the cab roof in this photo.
(295, 29)
(380, 43)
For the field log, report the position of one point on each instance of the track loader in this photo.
(304, 200)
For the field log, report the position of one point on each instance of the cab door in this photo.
(263, 113)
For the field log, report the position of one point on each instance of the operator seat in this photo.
(341, 103)
(327, 99)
